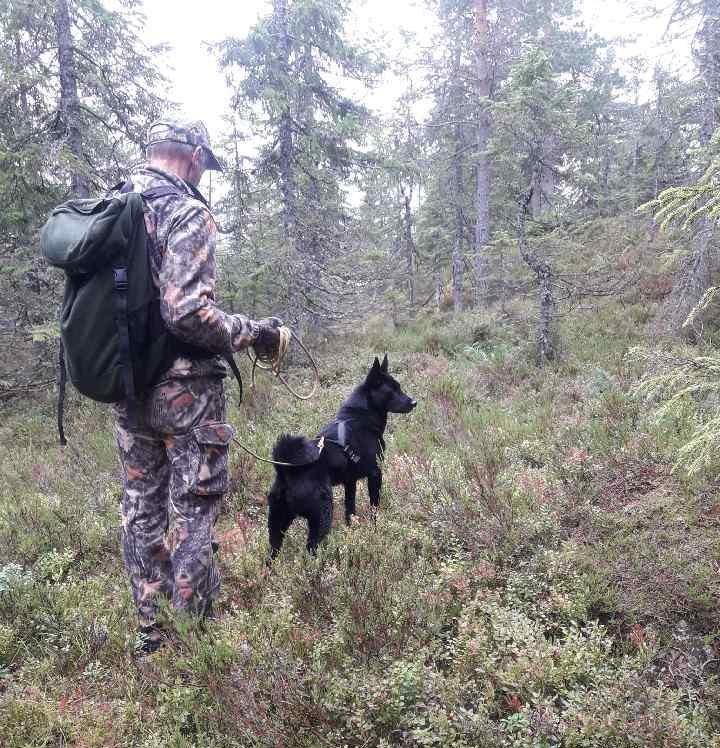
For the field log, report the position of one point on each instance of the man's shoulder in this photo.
(149, 179)
(174, 200)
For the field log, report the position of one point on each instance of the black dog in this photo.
(352, 444)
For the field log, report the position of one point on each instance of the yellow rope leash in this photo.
(274, 364)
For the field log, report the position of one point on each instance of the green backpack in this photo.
(114, 342)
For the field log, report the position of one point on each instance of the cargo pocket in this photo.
(213, 442)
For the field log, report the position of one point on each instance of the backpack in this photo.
(114, 342)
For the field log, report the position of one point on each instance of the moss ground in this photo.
(538, 574)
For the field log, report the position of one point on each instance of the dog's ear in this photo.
(374, 370)
(384, 365)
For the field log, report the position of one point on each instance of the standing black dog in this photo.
(352, 444)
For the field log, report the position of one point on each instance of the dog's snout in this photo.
(413, 403)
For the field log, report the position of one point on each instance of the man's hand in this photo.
(267, 342)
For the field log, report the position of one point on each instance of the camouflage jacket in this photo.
(184, 231)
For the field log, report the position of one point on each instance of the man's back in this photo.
(184, 234)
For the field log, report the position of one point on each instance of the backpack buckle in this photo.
(121, 280)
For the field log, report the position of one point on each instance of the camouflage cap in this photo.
(191, 133)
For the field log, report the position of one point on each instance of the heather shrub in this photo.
(537, 576)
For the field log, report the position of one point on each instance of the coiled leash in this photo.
(274, 364)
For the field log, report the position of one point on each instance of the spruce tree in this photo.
(286, 87)
(78, 87)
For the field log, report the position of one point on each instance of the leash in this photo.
(320, 444)
(274, 363)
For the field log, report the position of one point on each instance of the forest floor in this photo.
(538, 574)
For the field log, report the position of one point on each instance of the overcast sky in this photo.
(199, 87)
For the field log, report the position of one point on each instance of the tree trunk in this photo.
(482, 188)
(544, 274)
(544, 182)
(313, 255)
(23, 102)
(660, 129)
(457, 255)
(536, 200)
(409, 248)
(294, 314)
(438, 281)
(457, 190)
(69, 99)
(457, 274)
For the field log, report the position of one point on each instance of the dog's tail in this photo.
(298, 451)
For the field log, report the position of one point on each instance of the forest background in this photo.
(519, 206)
(330, 207)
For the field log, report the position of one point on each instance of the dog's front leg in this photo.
(350, 492)
(374, 486)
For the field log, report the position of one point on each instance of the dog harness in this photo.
(343, 442)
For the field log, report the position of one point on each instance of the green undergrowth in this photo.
(537, 576)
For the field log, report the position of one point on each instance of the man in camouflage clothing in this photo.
(175, 457)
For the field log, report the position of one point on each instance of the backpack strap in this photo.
(153, 193)
(198, 195)
(121, 319)
(163, 190)
(62, 386)
(121, 187)
(342, 433)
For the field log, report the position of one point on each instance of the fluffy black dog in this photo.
(352, 444)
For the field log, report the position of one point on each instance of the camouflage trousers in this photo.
(175, 470)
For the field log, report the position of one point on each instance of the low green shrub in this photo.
(537, 576)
